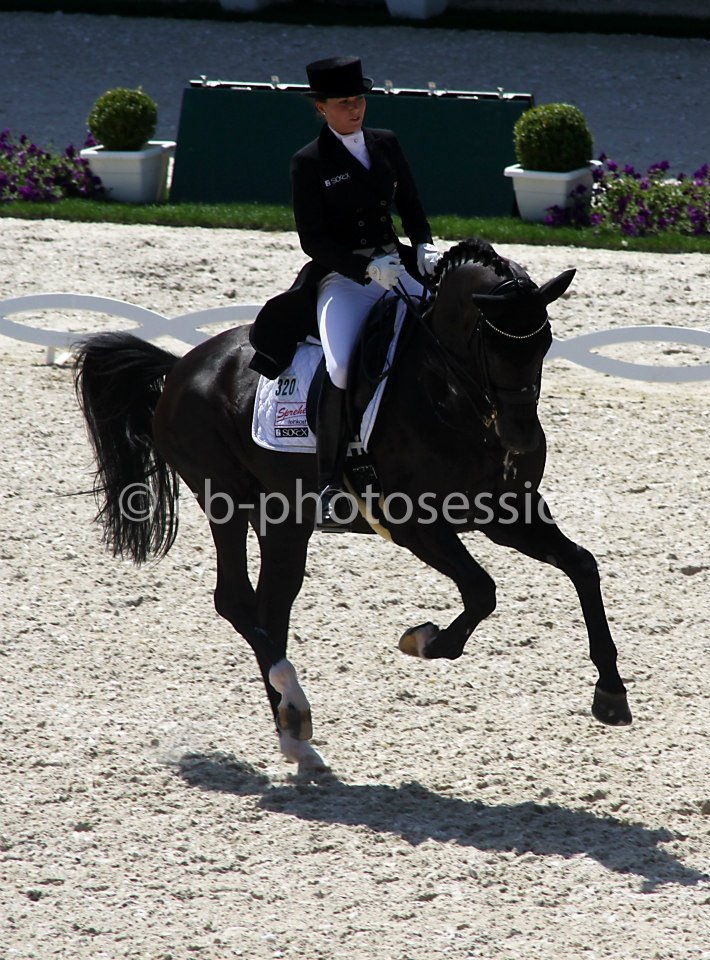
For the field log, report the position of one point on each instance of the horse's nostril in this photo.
(517, 442)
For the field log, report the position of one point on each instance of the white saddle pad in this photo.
(279, 421)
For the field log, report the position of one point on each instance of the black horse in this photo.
(458, 441)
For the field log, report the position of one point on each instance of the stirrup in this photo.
(326, 518)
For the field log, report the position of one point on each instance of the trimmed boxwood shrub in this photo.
(553, 137)
(123, 119)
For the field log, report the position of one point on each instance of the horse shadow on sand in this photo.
(417, 814)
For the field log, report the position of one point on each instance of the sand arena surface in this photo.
(476, 810)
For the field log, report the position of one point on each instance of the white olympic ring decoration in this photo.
(149, 323)
(579, 350)
(185, 327)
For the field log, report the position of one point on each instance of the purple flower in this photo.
(27, 172)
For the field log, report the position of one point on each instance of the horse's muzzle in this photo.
(518, 434)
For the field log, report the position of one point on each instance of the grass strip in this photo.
(267, 217)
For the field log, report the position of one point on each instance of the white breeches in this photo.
(343, 306)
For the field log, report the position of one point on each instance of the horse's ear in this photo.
(553, 289)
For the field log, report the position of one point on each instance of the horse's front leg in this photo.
(535, 534)
(438, 545)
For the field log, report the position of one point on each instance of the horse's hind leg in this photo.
(537, 535)
(234, 595)
(261, 616)
(283, 547)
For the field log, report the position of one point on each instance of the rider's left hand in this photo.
(427, 258)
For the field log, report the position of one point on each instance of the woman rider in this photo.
(343, 185)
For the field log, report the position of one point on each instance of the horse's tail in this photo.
(118, 380)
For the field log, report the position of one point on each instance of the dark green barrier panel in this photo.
(235, 142)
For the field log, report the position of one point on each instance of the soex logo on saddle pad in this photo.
(290, 420)
(338, 179)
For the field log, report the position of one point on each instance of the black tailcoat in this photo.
(340, 207)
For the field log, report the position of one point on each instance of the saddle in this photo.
(285, 321)
(289, 318)
(285, 408)
(368, 365)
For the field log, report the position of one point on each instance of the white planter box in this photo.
(133, 176)
(416, 9)
(536, 190)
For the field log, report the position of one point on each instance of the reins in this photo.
(485, 390)
(449, 358)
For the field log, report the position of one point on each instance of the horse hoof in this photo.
(295, 722)
(302, 753)
(414, 641)
(611, 708)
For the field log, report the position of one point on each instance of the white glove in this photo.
(385, 270)
(427, 258)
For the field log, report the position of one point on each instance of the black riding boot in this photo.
(330, 447)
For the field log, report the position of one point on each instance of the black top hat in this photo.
(337, 77)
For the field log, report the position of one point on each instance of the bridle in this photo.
(469, 384)
(488, 393)
(520, 396)
(518, 283)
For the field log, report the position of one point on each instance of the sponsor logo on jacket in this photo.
(339, 179)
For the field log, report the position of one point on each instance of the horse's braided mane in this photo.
(476, 250)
